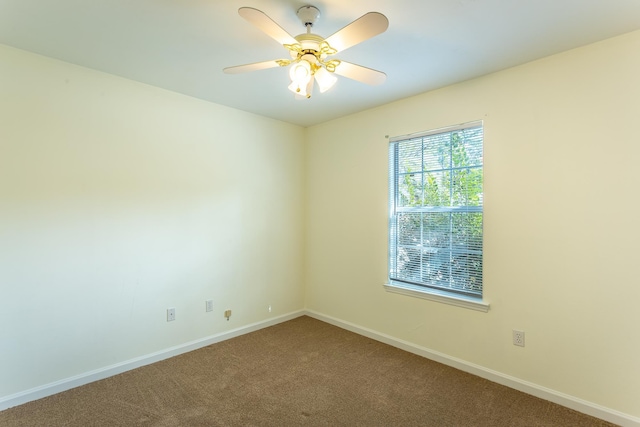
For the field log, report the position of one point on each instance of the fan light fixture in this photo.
(309, 63)
(308, 58)
(305, 71)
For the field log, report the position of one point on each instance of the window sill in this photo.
(438, 296)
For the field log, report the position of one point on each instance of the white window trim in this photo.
(437, 296)
(436, 131)
(432, 294)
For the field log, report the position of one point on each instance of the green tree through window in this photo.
(436, 195)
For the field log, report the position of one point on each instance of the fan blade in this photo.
(360, 73)
(363, 28)
(267, 25)
(254, 67)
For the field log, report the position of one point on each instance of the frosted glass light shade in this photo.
(300, 72)
(302, 91)
(325, 79)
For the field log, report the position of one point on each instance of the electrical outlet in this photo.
(171, 314)
(518, 338)
(227, 314)
(269, 308)
(209, 305)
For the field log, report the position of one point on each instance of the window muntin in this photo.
(436, 212)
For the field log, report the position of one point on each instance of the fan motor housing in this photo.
(309, 41)
(309, 44)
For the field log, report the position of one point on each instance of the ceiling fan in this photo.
(310, 54)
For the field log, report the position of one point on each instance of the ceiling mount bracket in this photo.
(308, 15)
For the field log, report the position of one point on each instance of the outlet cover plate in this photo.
(518, 338)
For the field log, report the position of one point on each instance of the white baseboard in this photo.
(108, 371)
(566, 400)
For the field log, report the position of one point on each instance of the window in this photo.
(435, 223)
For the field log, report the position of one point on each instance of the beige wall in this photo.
(561, 223)
(118, 200)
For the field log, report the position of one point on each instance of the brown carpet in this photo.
(301, 372)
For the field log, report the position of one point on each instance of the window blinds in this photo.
(436, 196)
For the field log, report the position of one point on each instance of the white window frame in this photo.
(474, 302)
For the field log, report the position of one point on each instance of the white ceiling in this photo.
(183, 45)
